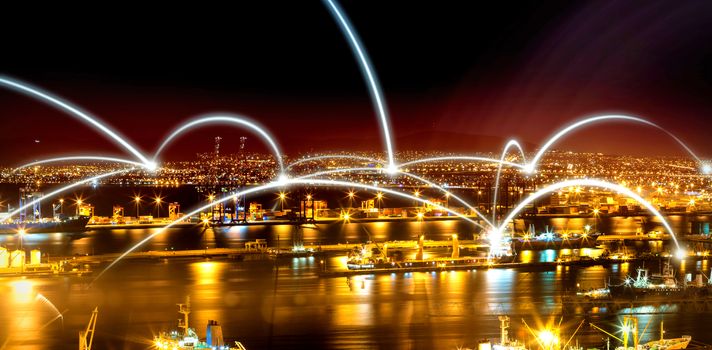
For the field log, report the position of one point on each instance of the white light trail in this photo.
(589, 183)
(335, 156)
(65, 188)
(278, 184)
(66, 106)
(462, 158)
(226, 119)
(369, 74)
(531, 166)
(64, 159)
(510, 144)
(421, 179)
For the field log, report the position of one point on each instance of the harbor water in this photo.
(287, 304)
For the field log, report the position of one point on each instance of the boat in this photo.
(594, 294)
(504, 343)
(668, 344)
(655, 286)
(186, 338)
(578, 260)
(630, 334)
(67, 224)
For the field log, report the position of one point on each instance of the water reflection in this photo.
(287, 304)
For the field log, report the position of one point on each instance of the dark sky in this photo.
(453, 72)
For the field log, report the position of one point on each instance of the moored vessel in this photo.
(186, 338)
(655, 286)
(68, 224)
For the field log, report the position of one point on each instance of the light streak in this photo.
(531, 166)
(369, 75)
(462, 158)
(226, 119)
(589, 183)
(64, 159)
(65, 188)
(275, 185)
(510, 144)
(335, 156)
(424, 180)
(57, 102)
(58, 314)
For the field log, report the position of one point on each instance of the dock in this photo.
(609, 238)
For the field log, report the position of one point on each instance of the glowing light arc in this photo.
(588, 183)
(226, 119)
(28, 90)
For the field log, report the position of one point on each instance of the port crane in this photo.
(87, 337)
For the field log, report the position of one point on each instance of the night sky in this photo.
(458, 76)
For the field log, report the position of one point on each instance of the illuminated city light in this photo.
(531, 166)
(227, 119)
(590, 183)
(335, 156)
(82, 158)
(271, 185)
(66, 188)
(417, 193)
(462, 158)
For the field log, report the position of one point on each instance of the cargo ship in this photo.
(661, 285)
(69, 224)
(186, 338)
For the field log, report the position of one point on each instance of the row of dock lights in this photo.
(157, 201)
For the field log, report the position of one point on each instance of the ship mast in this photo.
(184, 309)
(503, 326)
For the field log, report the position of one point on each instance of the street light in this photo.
(420, 216)
(61, 206)
(282, 197)
(211, 197)
(79, 204)
(158, 207)
(137, 199)
(21, 232)
(351, 195)
(379, 197)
